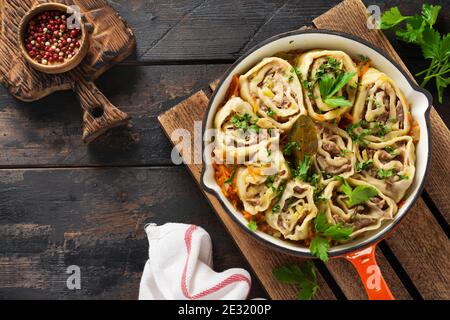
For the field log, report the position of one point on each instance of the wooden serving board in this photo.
(111, 41)
(413, 265)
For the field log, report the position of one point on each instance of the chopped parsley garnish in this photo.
(244, 122)
(302, 170)
(252, 225)
(276, 208)
(361, 166)
(287, 150)
(363, 58)
(380, 130)
(304, 277)
(307, 84)
(385, 173)
(324, 233)
(403, 176)
(390, 150)
(344, 152)
(269, 182)
(271, 113)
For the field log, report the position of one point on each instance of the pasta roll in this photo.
(293, 213)
(275, 93)
(257, 184)
(238, 138)
(381, 107)
(362, 217)
(335, 154)
(389, 165)
(313, 66)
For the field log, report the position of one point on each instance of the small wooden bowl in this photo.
(57, 67)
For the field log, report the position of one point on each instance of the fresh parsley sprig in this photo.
(419, 30)
(358, 195)
(304, 277)
(329, 86)
(325, 232)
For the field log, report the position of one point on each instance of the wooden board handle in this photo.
(99, 114)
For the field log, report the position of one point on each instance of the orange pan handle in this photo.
(367, 267)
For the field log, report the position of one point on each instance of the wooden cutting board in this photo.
(405, 257)
(111, 41)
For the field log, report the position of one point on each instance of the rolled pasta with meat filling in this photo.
(316, 65)
(238, 139)
(257, 184)
(335, 154)
(361, 217)
(380, 108)
(294, 212)
(275, 93)
(389, 165)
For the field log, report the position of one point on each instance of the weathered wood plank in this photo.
(350, 16)
(422, 249)
(94, 218)
(46, 133)
(185, 30)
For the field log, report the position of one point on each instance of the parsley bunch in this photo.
(304, 277)
(419, 30)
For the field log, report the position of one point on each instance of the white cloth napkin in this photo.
(180, 267)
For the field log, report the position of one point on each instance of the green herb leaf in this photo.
(391, 150)
(338, 232)
(338, 102)
(288, 148)
(244, 122)
(276, 208)
(230, 180)
(321, 223)
(325, 231)
(358, 195)
(302, 170)
(403, 177)
(319, 247)
(413, 32)
(341, 81)
(363, 58)
(385, 173)
(252, 225)
(361, 166)
(419, 30)
(271, 113)
(431, 44)
(361, 194)
(326, 85)
(304, 277)
(430, 13)
(391, 18)
(269, 182)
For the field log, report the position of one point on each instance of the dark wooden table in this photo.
(63, 203)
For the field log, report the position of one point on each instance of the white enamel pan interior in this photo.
(419, 99)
